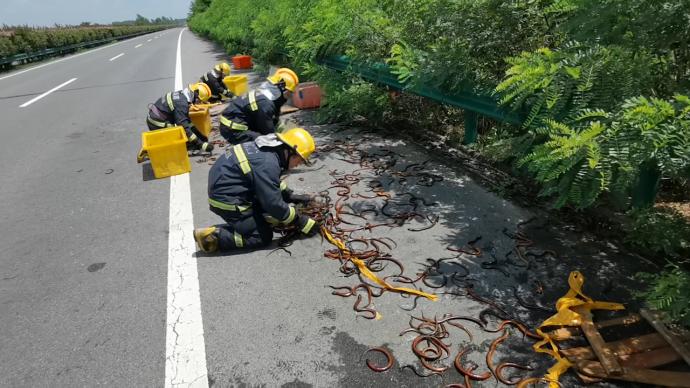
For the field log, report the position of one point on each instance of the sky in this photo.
(50, 12)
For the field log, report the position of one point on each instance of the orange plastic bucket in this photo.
(307, 95)
(242, 62)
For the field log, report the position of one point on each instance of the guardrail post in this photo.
(646, 185)
(470, 127)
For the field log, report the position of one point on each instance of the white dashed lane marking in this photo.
(115, 57)
(46, 93)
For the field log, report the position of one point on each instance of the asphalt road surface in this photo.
(86, 293)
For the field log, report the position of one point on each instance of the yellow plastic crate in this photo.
(167, 150)
(237, 84)
(201, 118)
(207, 105)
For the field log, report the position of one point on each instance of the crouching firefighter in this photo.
(173, 109)
(214, 80)
(256, 113)
(245, 190)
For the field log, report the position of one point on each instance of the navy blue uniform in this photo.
(214, 81)
(250, 116)
(243, 188)
(170, 110)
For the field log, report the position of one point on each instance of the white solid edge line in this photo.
(139, 45)
(185, 350)
(117, 56)
(66, 58)
(31, 101)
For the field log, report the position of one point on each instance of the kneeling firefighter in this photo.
(173, 109)
(214, 80)
(256, 113)
(245, 190)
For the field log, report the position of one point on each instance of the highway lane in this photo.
(83, 253)
(84, 248)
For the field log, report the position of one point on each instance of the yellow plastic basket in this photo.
(207, 105)
(201, 118)
(167, 150)
(237, 84)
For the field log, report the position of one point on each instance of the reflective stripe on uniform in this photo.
(233, 125)
(168, 98)
(252, 101)
(290, 216)
(308, 226)
(193, 137)
(206, 77)
(242, 158)
(283, 186)
(157, 123)
(227, 206)
(239, 242)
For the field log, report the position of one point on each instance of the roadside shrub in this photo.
(582, 73)
(22, 39)
(661, 231)
(669, 291)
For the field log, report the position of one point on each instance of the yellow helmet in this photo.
(299, 140)
(287, 76)
(222, 67)
(203, 89)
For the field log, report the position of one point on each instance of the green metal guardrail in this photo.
(26, 57)
(644, 190)
(472, 104)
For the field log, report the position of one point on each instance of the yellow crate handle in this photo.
(201, 107)
(141, 155)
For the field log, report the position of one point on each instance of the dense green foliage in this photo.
(602, 84)
(17, 40)
(659, 230)
(670, 292)
(592, 151)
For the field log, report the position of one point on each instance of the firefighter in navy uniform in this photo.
(256, 113)
(245, 190)
(214, 80)
(173, 110)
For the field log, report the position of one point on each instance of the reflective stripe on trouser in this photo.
(242, 231)
(154, 124)
(239, 241)
(234, 125)
(227, 206)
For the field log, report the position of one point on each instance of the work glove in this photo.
(308, 226)
(226, 95)
(302, 199)
(199, 145)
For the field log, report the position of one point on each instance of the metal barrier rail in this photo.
(472, 104)
(644, 190)
(8, 61)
